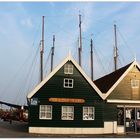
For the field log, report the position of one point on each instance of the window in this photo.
(68, 69)
(68, 83)
(135, 83)
(120, 116)
(67, 113)
(88, 113)
(45, 112)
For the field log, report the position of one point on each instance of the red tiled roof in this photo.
(106, 82)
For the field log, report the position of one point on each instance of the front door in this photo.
(130, 120)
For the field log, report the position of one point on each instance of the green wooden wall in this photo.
(110, 112)
(54, 88)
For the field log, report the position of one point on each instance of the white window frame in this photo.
(67, 113)
(88, 113)
(68, 69)
(45, 112)
(134, 83)
(68, 83)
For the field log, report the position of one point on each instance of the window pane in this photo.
(42, 114)
(43, 108)
(70, 109)
(90, 110)
(66, 80)
(85, 110)
(64, 109)
(90, 116)
(70, 116)
(48, 109)
(48, 115)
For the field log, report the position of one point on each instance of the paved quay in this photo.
(20, 130)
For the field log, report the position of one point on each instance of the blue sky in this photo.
(20, 34)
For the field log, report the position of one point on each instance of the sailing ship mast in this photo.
(115, 49)
(80, 40)
(52, 52)
(42, 51)
(91, 56)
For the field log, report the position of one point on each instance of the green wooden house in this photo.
(67, 102)
(121, 90)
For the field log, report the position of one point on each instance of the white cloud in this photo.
(27, 22)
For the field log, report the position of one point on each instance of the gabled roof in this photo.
(68, 58)
(106, 82)
(109, 82)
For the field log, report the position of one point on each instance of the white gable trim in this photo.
(69, 58)
(121, 78)
(123, 101)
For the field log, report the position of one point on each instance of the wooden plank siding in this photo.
(124, 90)
(110, 112)
(54, 89)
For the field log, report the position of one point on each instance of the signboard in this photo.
(66, 100)
(34, 101)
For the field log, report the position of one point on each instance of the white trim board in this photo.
(109, 128)
(59, 130)
(123, 101)
(68, 58)
(121, 78)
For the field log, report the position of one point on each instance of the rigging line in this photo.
(120, 62)
(25, 81)
(119, 52)
(76, 46)
(20, 68)
(31, 76)
(47, 60)
(15, 75)
(22, 92)
(61, 28)
(130, 49)
(28, 74)
(109, 63)
(99, 60)
(36, 34)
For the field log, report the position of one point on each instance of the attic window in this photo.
(135, 83)
(68, 83)
(68, 69)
